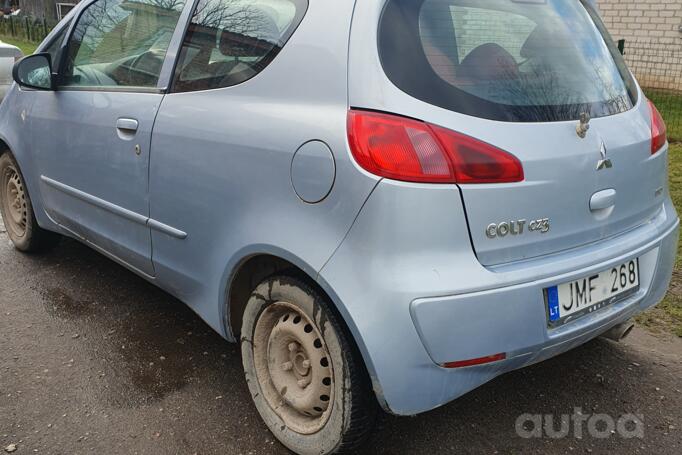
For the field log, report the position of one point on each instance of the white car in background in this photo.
(8, 55)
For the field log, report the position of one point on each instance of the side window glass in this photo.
(121, 43)
(230, 41)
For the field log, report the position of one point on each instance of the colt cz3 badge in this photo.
(517, 227)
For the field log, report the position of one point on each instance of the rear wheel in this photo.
(17, 210)
(306, 379)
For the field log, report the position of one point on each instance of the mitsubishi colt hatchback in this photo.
(387, 203)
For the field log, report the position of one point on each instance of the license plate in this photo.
(576, 298)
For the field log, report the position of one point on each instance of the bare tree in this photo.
(234, 15)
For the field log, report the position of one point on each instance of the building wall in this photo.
(653, 39)
(659, 20)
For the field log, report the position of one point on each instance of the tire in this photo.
(17, 210)
(320, 407)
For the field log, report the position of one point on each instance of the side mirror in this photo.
(34, 71)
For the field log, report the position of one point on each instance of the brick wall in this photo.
(651, 29)
(642, 19)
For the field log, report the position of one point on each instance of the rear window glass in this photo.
(508, 60)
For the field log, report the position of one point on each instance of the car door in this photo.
(93, 134)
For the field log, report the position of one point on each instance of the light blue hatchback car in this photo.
(387, 202)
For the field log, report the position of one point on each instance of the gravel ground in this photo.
(96, 360)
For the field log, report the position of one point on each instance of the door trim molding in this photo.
(115, 209)
(97, 202)
(166, 229)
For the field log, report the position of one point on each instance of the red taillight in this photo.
(409, 150)
(477, 162)
(478, 361)
(658, 130)
(397, 148)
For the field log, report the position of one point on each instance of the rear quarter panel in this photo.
(221, 161)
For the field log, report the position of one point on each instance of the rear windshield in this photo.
(508, 60)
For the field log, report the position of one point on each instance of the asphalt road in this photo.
(96, 360)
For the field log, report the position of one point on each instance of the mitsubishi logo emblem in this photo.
(604, 162)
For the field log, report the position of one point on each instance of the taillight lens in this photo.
(409, 150)
(658, 129)
(397, 148)
(477, 162)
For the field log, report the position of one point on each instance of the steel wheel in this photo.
(17, 210)
(306, 379)
(293, 367)
(14, 201)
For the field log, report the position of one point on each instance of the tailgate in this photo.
(565, 200)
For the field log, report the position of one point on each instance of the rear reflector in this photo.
(478, 361)
(658, 129)
(413, 151)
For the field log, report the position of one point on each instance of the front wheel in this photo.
(17, 210)
(306, 379)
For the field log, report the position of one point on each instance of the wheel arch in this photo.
(14, 145)
(254, 267)
(4, 147)
(247, 274)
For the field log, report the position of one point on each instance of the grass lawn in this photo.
(26, 47)
(667, 316)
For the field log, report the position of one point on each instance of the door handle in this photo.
(127, 124)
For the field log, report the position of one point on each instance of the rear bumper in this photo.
(389, 277)
(513, 319)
